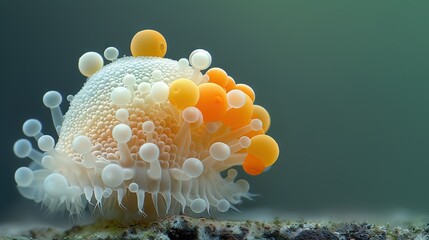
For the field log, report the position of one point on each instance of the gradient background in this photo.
(346, 83)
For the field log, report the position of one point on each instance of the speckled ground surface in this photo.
(184, 227)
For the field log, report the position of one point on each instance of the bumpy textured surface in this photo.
(183, 227)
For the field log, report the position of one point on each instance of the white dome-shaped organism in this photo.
(143, 128)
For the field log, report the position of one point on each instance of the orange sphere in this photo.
(212, 102)
(265, 148)
(148, 43)
(183, 93)
(218, 76)
(253, 166)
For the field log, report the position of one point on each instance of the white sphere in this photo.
(219, 151)
(70, 97)
(111, 53)
(122, 133)
(223, 205)
(24, 176)
(191, 114)
(244, 142)
(200, 59)
(133, 187)
(159, 92)
(193, 167)
(120, 96)
(148, 127)
(113, 175)
(236, 98)
(198, 205)
(149, 152)
(122, 114)
(56, 185)
(256, 124)
(46, 143)
(22, 148)
(52, 99)
(90, 63)
(31, 127)
(81, 144)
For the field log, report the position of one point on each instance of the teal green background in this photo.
(346, 83)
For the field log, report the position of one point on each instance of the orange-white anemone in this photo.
(147, 136)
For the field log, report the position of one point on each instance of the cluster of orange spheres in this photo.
(219, 100)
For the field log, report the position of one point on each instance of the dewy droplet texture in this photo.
(147, 136)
